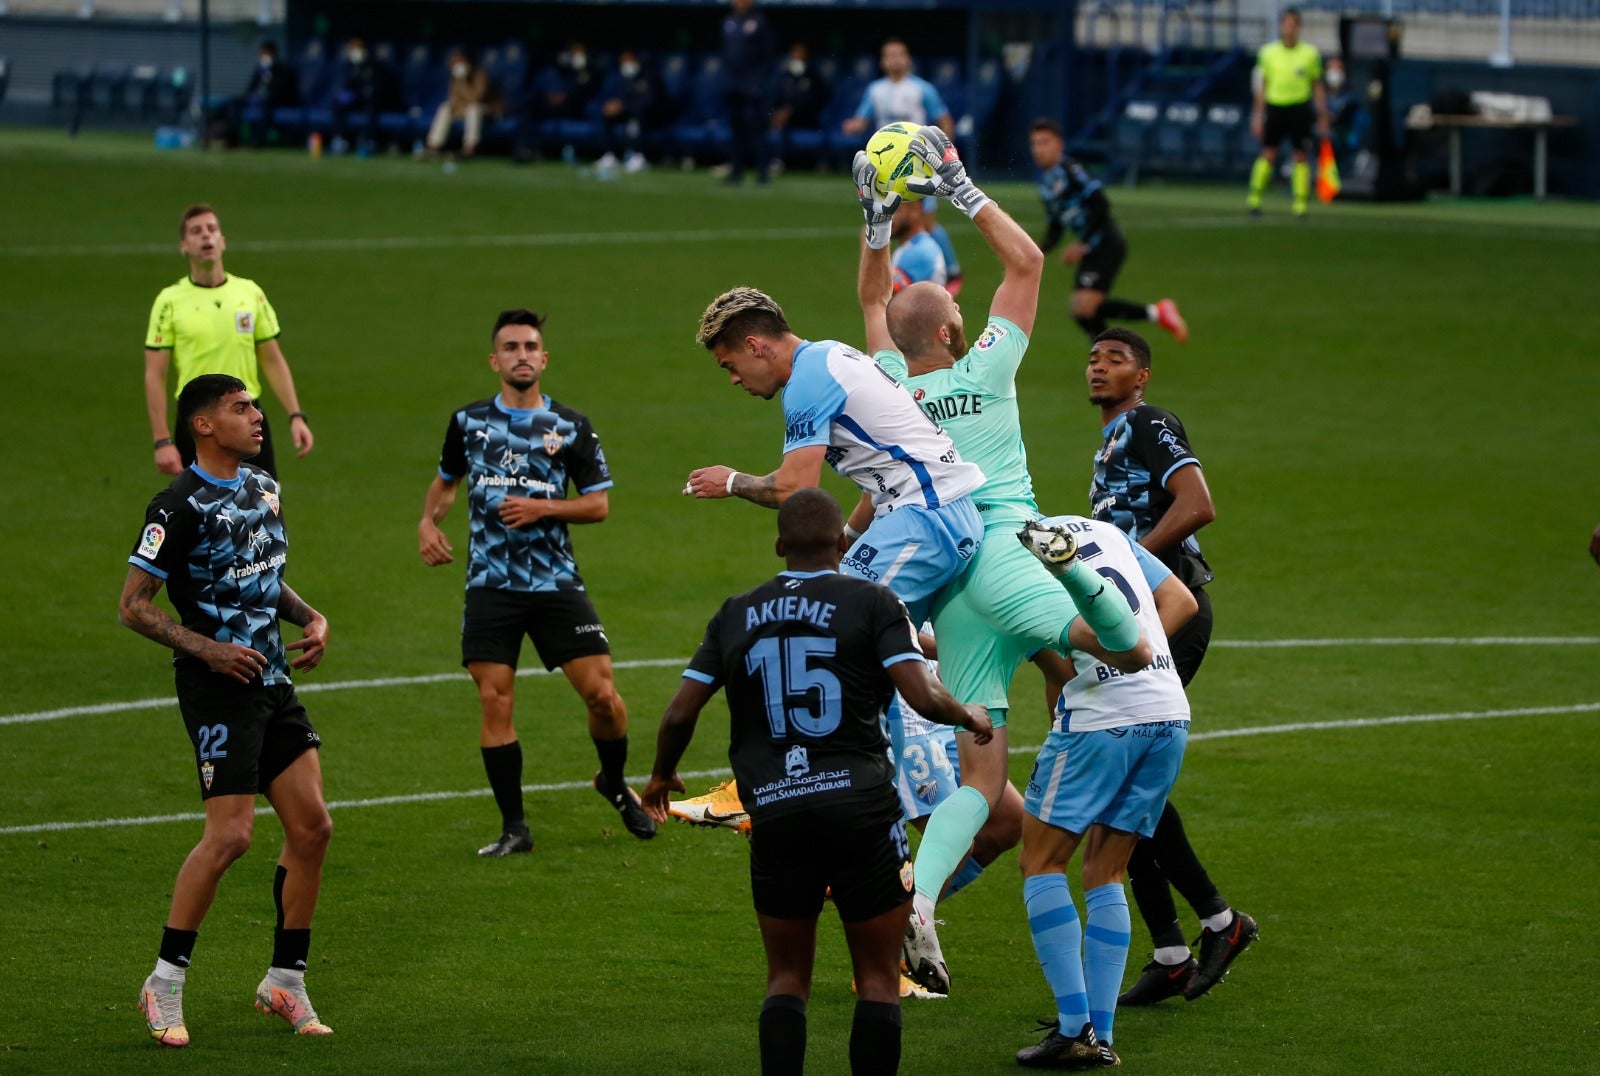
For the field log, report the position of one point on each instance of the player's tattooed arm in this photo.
(801, 469)
(137, 610)
(313, 641)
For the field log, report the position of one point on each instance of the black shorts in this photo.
(1099, 268)
(265, 460)
(1291, 123)
(859, 853)
(244, 736)
(1189, 645)
(562, 624)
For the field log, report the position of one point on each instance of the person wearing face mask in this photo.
(360, 97)
(797, 104)
(631, 106)
(471, 95)
(271, 86)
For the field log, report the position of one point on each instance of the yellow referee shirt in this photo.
(213, 330)
(1288, 74)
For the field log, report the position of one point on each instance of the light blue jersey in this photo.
(917, 259)
(907, 100)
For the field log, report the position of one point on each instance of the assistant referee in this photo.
(1288, 84)
(213, 323)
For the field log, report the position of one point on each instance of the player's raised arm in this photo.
(875, 280)
(801, 469)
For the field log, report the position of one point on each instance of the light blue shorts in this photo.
(1116, 777)
(927, 772)
(914, 551)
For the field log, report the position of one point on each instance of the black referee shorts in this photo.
(860, 852)
(244, 735)
(1288, 123)
(562, 624)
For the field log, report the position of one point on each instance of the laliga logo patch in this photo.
(907, 876)
(207, 772)
(270, 499)
(992, 335)
(552, 442)
(244, 321)
(150, 541)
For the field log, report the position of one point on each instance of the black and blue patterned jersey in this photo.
(1076, 201)
(220, 546)
(499, 452)
(1143, 449)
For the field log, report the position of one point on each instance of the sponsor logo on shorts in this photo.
(861, 557)
(207, 773)
(150, 541)
(965, 548)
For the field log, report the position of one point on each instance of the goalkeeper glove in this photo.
(949, 180)
(877, 208)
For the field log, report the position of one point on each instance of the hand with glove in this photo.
(877, 208)
(949, 180)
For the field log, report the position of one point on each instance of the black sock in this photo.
(177, 946)
(290, 948)
(1094, 325)
(1122, 310)
(503, 764)
(1183, 868)
(875, 1039)
(783, 1036)
(613, 758)
(1153, 896)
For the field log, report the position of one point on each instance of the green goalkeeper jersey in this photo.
(976, 402)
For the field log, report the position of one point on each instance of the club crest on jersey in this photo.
(270, 499)
(992, 335)
(244, 321)
(553, 442)
(150, 541)
(207, 773)
(908, 880)
(797, 763)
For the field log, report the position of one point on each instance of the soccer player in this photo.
(1288, 81)
(1149, 484)
(214, 537)
(1101, 778)
(213, 323)
(1075, 200)
(1005, 607)
(901, 97)
(915, 528)
(810, 660)
(916, 256)
(518, 451)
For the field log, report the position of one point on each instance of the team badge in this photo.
(907, 876)
(992, 335)
(150, 541)
(797, 763)
(270, 499)
(244, 321)
(918, 395)
(207, 772)
(552, 442)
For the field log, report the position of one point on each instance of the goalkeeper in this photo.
(1006, 606)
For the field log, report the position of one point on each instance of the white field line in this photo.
(656, 663)
(1015, 749)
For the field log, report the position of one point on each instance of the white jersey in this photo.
(912, 722)
(1100, 697)
(908, 100)
(875, 433)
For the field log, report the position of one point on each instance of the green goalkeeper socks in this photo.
(1102, 606)
(944, 845)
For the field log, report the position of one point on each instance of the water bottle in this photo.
(314, 145)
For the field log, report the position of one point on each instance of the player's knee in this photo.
(605, 705)
(228, 842)
(1084, 305)
(309, 838)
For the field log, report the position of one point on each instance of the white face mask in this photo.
(629, 70)
(797, 68)
(357, 55)
(265, 61)
(1335, 79)
(459, 70)
(579, 61)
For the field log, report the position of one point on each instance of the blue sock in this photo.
(1105, 953)
(1057, 939)
(944, 845)
(965, 876)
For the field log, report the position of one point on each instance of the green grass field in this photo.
(1399, 413)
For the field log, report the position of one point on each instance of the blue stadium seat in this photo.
(69, 88)
(1130, 138)
(139, 90)
(1217, 139)
(702, 128)
(1172, 150)
(314, 74)
(5, 77)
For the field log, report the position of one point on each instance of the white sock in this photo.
(1172, 955)
(922, 906)
(287, 976)
(1150, 313)
(1219, 922)
(170, 972)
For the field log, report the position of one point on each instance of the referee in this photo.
(1288, 82)
(809, 660)
(213, 323)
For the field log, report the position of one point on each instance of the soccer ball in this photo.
(889, 149)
